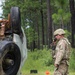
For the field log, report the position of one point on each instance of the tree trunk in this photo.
(72, 10)
(37, 30)
(41, 11)
(49, 16)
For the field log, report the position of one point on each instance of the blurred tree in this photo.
(62, 16)
(72, 10)
(49, 15)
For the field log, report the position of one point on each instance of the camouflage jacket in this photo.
(62, 50)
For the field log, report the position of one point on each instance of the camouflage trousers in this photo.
(62, 69)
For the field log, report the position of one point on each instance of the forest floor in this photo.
(43, 73)
(41, 61)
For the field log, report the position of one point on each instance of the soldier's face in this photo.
(58, 37)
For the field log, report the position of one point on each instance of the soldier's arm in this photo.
(60, 53)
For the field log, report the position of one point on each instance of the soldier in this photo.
(2, 30)
(62, 53)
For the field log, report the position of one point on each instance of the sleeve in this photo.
(60, 53)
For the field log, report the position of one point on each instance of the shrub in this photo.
(72, 60)
(38, 59)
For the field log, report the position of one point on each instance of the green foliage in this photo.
(68, 34)
(61, 16)
(41, 60)
(61, 3)
(55, 18)
(38, 59)
(72, 60)
(30, 34)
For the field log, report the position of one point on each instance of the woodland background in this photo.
(40, 18)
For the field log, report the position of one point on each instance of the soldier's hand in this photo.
(56, 65)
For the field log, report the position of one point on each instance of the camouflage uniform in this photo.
(62, 56)
(62, 53)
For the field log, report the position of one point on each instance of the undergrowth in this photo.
(41, 60)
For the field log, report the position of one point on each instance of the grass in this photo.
(43, 73)
(41, 61)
